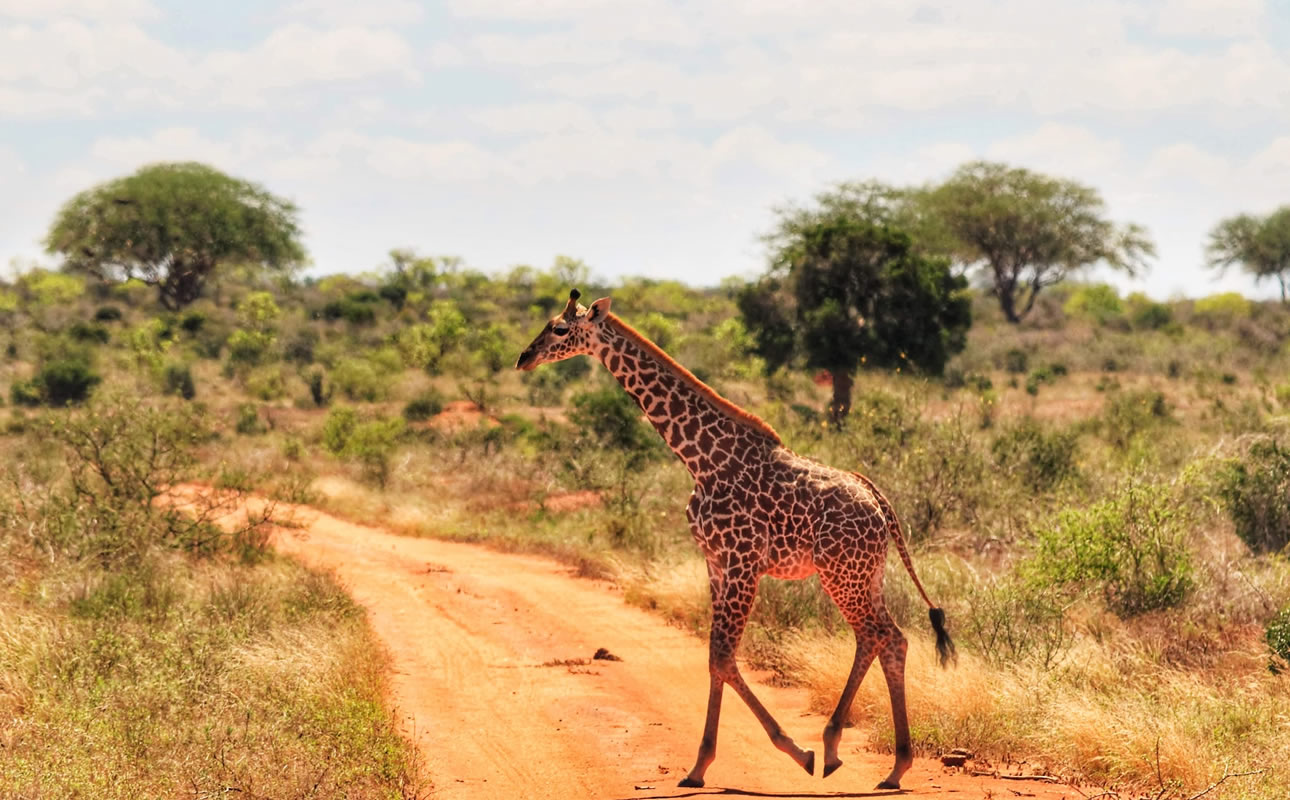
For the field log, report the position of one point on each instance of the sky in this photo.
(649, 138)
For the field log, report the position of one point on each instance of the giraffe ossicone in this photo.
(758, 509)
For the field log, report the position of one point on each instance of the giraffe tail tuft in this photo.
(944, 644)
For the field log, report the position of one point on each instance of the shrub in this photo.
(192, 322)
(1146, 314)
(1099, 302)
(1277, 635)
(107, 314)
(299, 348)
(394, 294)
(354, 311)
(338, 426)
(61, 382)
(1039, 459)
(424, 406)
(320, 394)
(1009, 620)
(249, 347)
(1132, 548)
(1016, 361)
(1256, 492)
(88, 332)
(1129, 413)
(1223, 308)
(359, 380)
(372, 445)
(178, 380)
(248, 420)
(266, 383)
(25, 393)
(612, 418)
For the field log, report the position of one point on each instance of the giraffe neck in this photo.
(706, 431)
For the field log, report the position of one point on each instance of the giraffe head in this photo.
(572, 332)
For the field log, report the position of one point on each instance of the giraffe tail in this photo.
(945, 650)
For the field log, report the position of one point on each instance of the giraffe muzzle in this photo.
(526, 361)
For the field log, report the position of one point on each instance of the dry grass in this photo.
(258, 680)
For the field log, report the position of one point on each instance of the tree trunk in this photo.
(1008, 302)
(841, 405)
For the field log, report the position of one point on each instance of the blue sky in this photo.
(647, 138)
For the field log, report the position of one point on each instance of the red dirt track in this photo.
(492, 676)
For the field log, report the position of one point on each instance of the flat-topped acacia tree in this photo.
(172, 226)
(1026, 231)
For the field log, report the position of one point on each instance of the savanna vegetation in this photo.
(1097, 488)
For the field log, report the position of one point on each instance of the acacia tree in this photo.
(172, 226)
(1261, 245)
(1027, 231)
(846, 290)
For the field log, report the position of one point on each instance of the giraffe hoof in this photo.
(888, 785)
(809, 764)
(688, 783)
(829, 769)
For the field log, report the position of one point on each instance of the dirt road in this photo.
(492, 674)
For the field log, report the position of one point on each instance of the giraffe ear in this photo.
(598, 311)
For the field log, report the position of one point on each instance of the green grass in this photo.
(186, 678)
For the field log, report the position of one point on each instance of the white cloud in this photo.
(84, 9)
(1208, 17)
(1069, 151)
(346, 12)
(296, 55)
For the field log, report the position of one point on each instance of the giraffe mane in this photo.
(728, 408)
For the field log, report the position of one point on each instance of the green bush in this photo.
(265, 383)
(372, 445)
(26, 393)
(424, 406)
(1277, 635)
(337, 428)
(1223, 308)
(1129, 413)
(248, 420)
(192, 322)
(350, 309)
(1146, 314)
(1255, 489)
(1016, 361)
(394, 294)
(612, 418)
(318, 392)
(107, 314)
(1131, 548)
(178, 380)
(299, 347)
(249, 347)
(1098, 302)
(89, 332)
(360, 380)
(1040, 459)
(1009, 620)
(60, 383)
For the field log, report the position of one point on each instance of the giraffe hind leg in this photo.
(892, 659)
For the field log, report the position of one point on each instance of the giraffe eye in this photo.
(560, 330)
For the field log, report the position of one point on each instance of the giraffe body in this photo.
(758, 509)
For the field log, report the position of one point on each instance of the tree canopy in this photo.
(1261, 245)
(1028, 231)
(172, 226)
(847, 289)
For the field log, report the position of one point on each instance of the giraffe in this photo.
(758, 509)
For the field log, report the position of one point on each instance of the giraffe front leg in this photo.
(707, 745)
